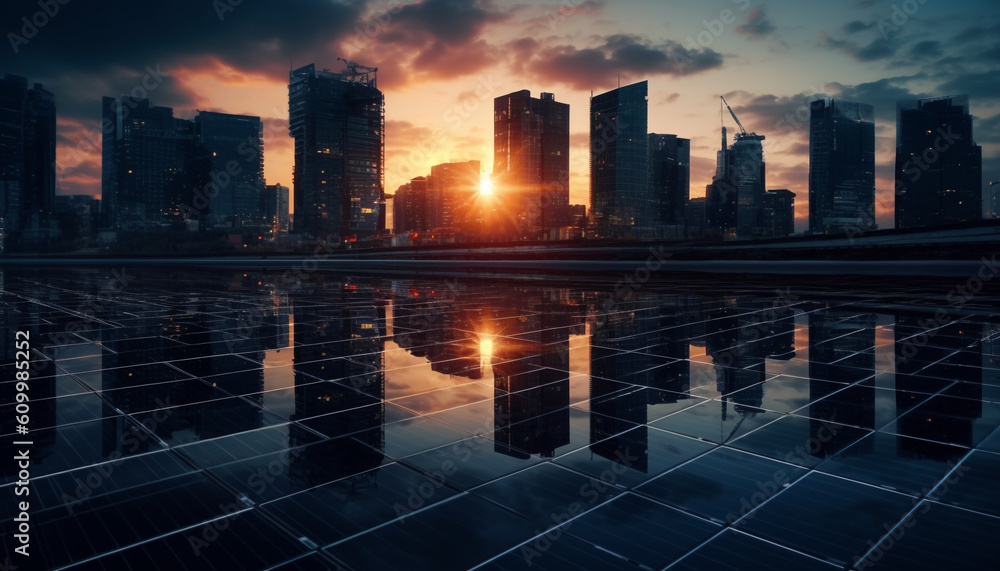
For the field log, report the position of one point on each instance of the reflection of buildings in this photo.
(643, 346)
(531, 372)
(952, 352)
(738, 342)
(841, 349)
(339, 387)
(426, 326)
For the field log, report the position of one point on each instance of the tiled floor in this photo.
(231, 420)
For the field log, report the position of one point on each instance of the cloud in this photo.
(926, 49)
(756, 25)
(625, 54)
(877, 49)
(855, 26)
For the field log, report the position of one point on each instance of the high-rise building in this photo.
(531, 159)
(235, 145)
(670, 177)
(720, 195)
(841, 167)
(620, 201)
(338, 123)
(779, 213)
(735, 198)
(410, 207)
(151, 167)
(748, 163)
(273, 208)
(694, 217)
(27, 156)
(938, 164)
(453, 199)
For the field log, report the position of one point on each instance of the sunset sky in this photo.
(441, 63)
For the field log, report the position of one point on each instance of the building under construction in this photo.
(735, 198)
(338, 122)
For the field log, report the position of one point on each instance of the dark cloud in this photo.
(986, 130)
(628, 55)
(926, 49)
(877, 49)
(756, 24)
(855, 26)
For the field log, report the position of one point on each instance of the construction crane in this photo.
(733, 113)
(356, 70)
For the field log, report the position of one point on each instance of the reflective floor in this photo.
(297, 420)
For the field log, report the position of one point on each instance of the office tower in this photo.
(841, 167)
(779, 212)
(151, 168)
(274, 208)
(670, 177)
(455, 191)
(338, 123)
(938, 165)
(748, 163)
(27, 157)
(720, 195)
(410, 207)
(694, 217)
(531, 160)
(235, 145)
(620, 200)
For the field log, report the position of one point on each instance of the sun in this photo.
(485, 185)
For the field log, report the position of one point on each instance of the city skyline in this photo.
(441, 63)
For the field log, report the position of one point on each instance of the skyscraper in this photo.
(720, 195)
(235, 144)
(452, 199)
(779, 212)
(841, 167)
(748, 163)
(620, 200)
(150, 168)
(938, 165)
(670, 177)
(27, 155)
(531, 159)
(338, 122)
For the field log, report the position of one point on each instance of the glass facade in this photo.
(939, 176)
(841, 167)
(235, 144)
(531, 159)
(670, 176)
(338, 123)
(620, 200)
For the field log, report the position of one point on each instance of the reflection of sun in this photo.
(485, 185)
(485, 352)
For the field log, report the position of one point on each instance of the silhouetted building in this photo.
(152, 168)
(274, 208)
(412, 211)
(531, 160)
(235, 145)
(841, 167)
(456, 186)
(338, 123)
(27, 158)
(620, 201)
(720, 195)
(938, 164)
(670, 178)
(779, 212)
(748, 163)
(694, 217)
